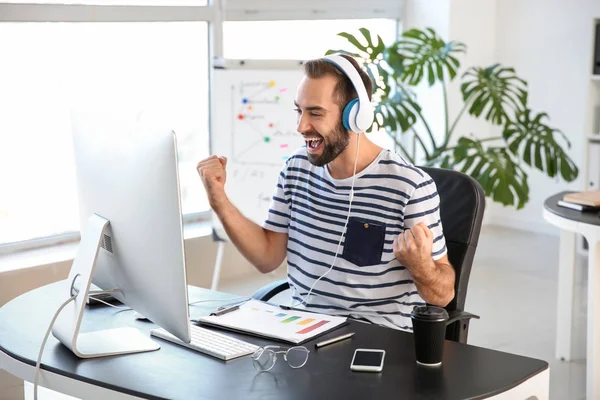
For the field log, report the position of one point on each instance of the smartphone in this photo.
(367, 360)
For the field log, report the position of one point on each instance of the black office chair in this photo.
(461, 211)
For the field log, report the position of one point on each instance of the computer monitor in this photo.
(131, 231)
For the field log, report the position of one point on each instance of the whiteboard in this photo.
(254, 126)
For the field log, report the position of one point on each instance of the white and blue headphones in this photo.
(358, 114)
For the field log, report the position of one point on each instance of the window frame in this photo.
(214, 14)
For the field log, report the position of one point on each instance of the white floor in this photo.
(512, 287)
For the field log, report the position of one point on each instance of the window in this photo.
(148, 54)
(52, 66)
(117, 2)
(296, 40)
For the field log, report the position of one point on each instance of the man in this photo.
(393, 253)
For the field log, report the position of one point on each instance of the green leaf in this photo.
(352, 39)
(501, 87)
(446, 162)
(424, 54)
(538, 156)
(430, 74)
(528, 135)
(399, 112)
(467, 165)
(367, 35)
(348, 53)
(395, 60)
(450, 68)
(551, 162)
(495, 169)
(527, 150)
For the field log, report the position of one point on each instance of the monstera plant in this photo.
(494, 93)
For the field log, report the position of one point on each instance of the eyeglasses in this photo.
(264, 358)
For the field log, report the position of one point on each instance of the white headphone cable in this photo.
(305, 298)
(39, 360)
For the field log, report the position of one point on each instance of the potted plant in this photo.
(494, 93)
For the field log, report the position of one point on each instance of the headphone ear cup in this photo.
(349, 115)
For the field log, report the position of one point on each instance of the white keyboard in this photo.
(210, 342)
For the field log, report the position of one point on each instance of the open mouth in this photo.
(313, 144)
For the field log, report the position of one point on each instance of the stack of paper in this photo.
(265, 320)
(587, 198)
(582, 201)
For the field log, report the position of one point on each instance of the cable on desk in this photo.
(63, 305)
(39, 360)
(207, 300)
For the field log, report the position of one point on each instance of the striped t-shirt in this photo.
(367, 282)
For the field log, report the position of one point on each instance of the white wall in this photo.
(429, 14)
(549, 42)
(471, 22)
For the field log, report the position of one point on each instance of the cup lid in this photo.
(430, 313)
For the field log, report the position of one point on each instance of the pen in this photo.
(334, 340)
(288, 308)
(235, 303)
(225, 310)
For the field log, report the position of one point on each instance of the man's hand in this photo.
(434, 279)
(413, 247)
(213, 174)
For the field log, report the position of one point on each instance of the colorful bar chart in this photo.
(291, 326)
(305, 323)
(312, 327)
(290, 319)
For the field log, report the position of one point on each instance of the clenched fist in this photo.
(413, 247)
(213, 174)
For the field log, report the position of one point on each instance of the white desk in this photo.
(573, 222)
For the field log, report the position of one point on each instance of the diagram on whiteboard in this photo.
(263, 123)
(254, 126)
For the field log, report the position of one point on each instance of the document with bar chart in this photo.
(265, 320)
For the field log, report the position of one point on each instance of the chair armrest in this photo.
(270, 290)
(459, 315)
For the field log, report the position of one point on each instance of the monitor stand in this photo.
(102, 343)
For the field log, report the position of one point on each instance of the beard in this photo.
(333, 145)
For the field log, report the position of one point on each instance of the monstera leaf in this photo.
(495, 90)
(366, 51)
(498, 173)
(397, 113)
(535, 143)
(424, 53)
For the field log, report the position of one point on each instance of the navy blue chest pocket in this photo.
(364, 242)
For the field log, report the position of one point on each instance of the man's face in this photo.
(320, 120)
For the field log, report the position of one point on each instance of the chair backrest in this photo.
(462, 203)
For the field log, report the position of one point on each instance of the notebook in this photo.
(588, 198)
(575, 206)
(265, 320)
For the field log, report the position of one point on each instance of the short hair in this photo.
(344, 89)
